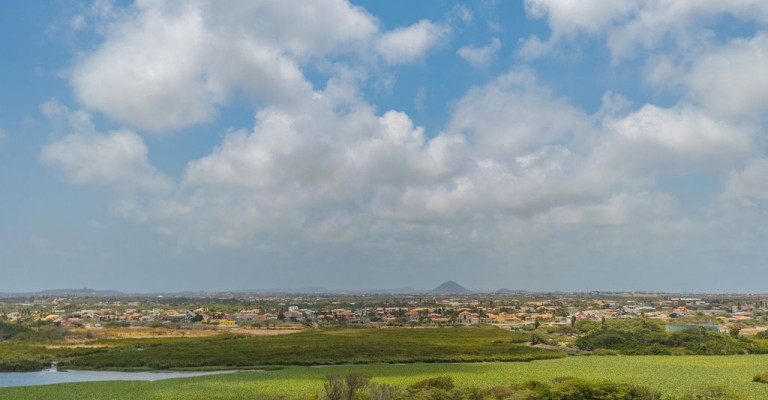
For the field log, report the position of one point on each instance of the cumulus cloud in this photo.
(572, 17)
(748, 183)
(727, 80)
(630, 26)
(682, 135)
(480, 56)
(116, 159)
(296, 166)
(165, 67)
(513, 152)
(323, 162)
(518, 172)
(515, 115)
(619, 209)
(405, 45)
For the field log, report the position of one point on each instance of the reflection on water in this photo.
(53, 375)
(675, 328)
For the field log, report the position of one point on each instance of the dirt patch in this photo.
(145, 333)
(76, 346)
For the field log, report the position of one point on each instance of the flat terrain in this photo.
(315, 347)
(312, 347)
(144, 333)
(672, 375)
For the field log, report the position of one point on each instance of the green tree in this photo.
(734, 330)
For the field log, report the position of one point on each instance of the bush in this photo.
(562, 388)
(761, 377)
(334, 388)
(440, 382)
(337, 389)
(9, 329)
(571, 388)
(716, 392)
(384, 392)
(646, 338)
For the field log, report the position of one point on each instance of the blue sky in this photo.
(540, 145)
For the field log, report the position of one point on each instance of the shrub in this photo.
(337, 389)
(384, 392)
(334, 388)
(572, 388)
(716, 392)
(354, 382)
(761, 377)
(440, 382)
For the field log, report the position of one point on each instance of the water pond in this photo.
(51, 376)
(674, 328)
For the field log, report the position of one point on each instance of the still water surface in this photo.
(47, 377)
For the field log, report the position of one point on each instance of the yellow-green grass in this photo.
(349, 346)
(672, 375)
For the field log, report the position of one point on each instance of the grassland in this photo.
(469, 355)
(316, 347)
(676, 376)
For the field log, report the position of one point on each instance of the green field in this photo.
(316, 347)
(672, 375)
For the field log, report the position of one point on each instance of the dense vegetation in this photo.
(645, 337)
(357, 387)
(27, 348)
(21, 333)
(349, 346)
(21, 347)
(28, 352)
(673, 377)
(761, 377)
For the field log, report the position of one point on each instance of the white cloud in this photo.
(631, 26)
(515, 115)
(405, 45)
(682, 135)
(463, 13)
(520, 174)
(571, 17)
(480, 56)
(511, 152)
(304, 172)
(164, 67)
(729, 80)
(617, 210)
(749, 183)
(168, 67)
(533, 47)
(116, 159)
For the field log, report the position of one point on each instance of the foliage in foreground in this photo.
(671, 376)
(358, 387)
(645, 337)
(761, 377)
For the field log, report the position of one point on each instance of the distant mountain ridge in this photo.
(81, 292)
(511, 291)
(450, 287)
